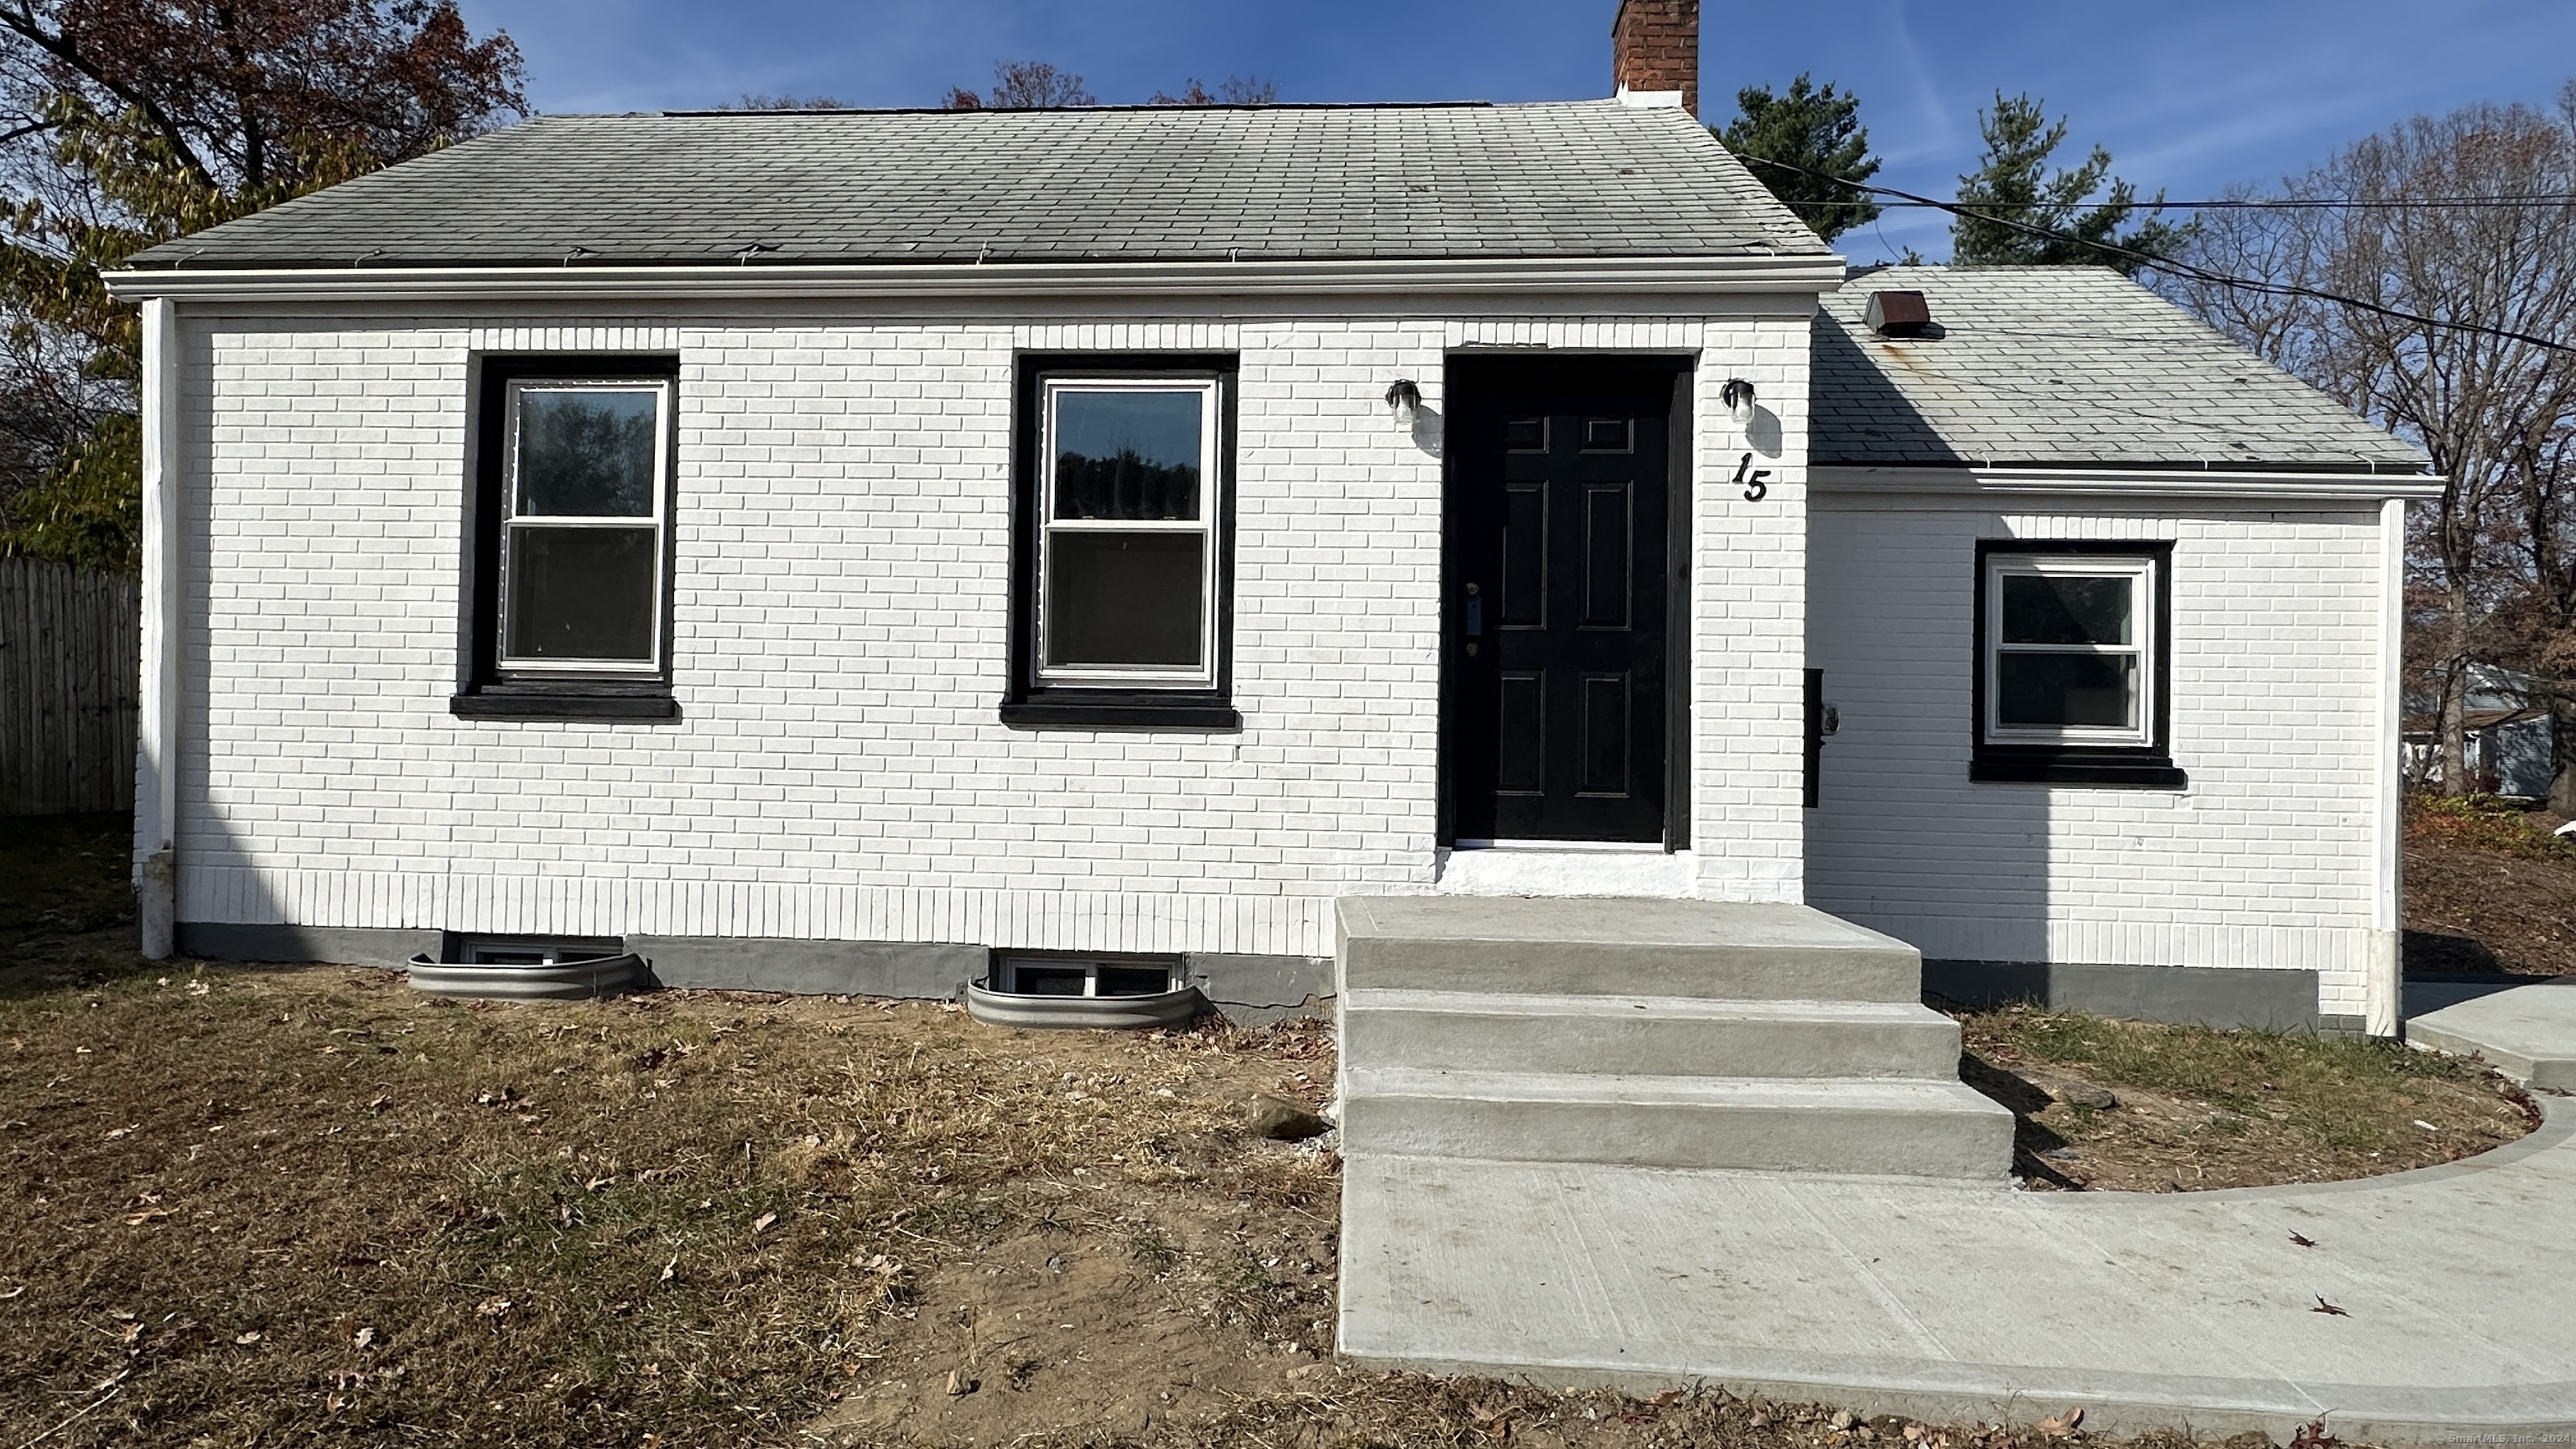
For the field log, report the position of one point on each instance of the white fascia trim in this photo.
(1666, 276)
(1972, 482)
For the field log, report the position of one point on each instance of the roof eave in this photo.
(2322, 482)
(1678, 276)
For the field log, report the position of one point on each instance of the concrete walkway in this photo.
(2458, 1286)
(2527, 1032)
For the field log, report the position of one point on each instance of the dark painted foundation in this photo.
(1250, 990)
(2220, 996)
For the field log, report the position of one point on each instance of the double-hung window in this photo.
(573, 539)
(1122, 608)
(2071, 668)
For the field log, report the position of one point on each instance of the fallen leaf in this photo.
(2303, 1242)
(493, 1307)
(2063, 1425)
(2324, 1307)
(671, 1269)
(363, 1338)
(245, 1340)
(959, 1386)
(761, 1223)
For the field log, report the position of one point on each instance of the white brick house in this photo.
(814, 668)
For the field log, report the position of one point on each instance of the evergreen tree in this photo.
(2019, 214)
(1804, 144)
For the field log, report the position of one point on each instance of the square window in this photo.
(2070, 664)
(1119, 619)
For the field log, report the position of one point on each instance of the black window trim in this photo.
(2149, 766)
(1029, 704)
(487, 691)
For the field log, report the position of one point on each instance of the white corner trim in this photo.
(156, 781)
(1470, 276)
(2383, 984)
(1650, 100)
(1974, 481)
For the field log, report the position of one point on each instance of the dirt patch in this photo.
(2490, 890)
(2197, 1109)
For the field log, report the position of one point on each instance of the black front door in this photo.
(1556, 600)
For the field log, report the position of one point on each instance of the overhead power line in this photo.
(2498, 203)
(2171, 266)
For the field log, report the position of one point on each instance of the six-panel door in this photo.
(1558, 506)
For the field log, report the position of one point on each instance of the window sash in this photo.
(512, 523)
(2140, 571)
(1203, 526)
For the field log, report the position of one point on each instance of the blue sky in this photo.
(2189, 95)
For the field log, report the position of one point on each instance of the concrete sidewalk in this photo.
(2526, 1031)
(2197, 1310)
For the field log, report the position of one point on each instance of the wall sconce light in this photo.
(1405, 401)
(1738, 397)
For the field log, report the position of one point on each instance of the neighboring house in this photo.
(858, 551)
(2509, 735)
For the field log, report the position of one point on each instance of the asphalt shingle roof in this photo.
(2071, 365)
(1591, 178)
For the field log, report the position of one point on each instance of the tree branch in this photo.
(21, 20)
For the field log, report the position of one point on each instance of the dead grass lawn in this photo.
(253, 1206)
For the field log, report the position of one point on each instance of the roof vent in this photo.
(1899, 314)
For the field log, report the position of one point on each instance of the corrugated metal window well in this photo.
(1101, 992)
(530, 968)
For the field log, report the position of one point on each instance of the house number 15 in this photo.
(1756, 481)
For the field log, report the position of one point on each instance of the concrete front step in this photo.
(1838, 1125)
(1647, 1036)
(1619, 947)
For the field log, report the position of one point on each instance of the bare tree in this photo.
(2463, 219)
(750, 102)
(1234, 90)
(1025, 85)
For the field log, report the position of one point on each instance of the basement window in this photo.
(2071, 664)
(469, 950)
(1085, 976)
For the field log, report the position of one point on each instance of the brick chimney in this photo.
(1654, 49)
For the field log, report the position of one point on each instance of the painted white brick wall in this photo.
(840, 542)
(2264, 861)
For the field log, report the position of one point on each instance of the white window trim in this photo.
(512, 520)
(2143, 605)
(1211, 479)
(1091, 967)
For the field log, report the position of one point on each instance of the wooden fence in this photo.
(70, 664)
